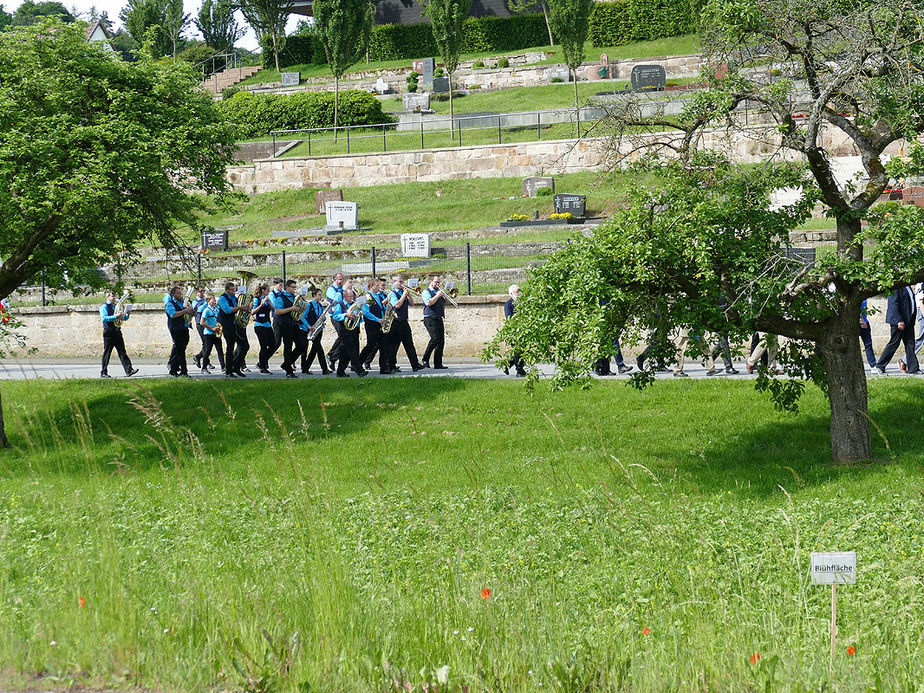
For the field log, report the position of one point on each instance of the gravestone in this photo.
(415, 244)
(576, 204)
(648, 78)
(291, 79)
(441, 85)
(342, 215)
(322, 197)
(415, 102)
(417, 66)
(429, 64)
(913, 195)
(533, 184)
(382, 87)
(558, 73)
(215, 240)
(603, 72)
(804, 255)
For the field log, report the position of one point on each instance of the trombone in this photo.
(451, 293)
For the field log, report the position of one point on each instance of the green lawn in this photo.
(339, 536)
(678, 45)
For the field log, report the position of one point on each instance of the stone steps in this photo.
(219, 81)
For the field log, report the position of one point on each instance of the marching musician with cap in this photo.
(376, 340)
(235, 347)
(112, 336)
(313, 348)
(334, 294)
(261, 311)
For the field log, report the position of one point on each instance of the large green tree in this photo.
(447, 20)
(342, 27)
(569, 21)
(217, 25)
(146, 21)
(268, 19)
(175, 23)
(30, 12)
(701, 248)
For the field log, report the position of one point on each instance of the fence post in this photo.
(43, 288)
(460, 133)
(274, 145)
(538, 125)
(384, 139)
(198, 270)
(468, 266)
(421, 134)
(373, 263)
(348, 139)
(498, 129)
(309, 143)
(283, 266)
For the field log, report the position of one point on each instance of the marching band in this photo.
(294, 321)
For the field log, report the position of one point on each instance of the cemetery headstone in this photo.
(322, 197)
(343, 215)
(415, 102)
(415, 244)
(576, 204)
(291, 79)
(441, 85)
(648, 78)
(603, 72)
(532, 184)
(913, 195)
(215, 240)
(382, 87)
(417, 66)
(805, 255)
(558, 73)
(429, 64)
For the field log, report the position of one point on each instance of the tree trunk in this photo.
(336, 103)
(4, 443)
(843, 360)
(577, 107)
(848, 227)
(452, 120)
(545, 13)
(276, 54)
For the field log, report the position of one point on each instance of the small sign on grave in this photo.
(322, 197)
(343, 215)
(215, 240)
(441, 85)
(648, 78)
(415, 244)
(291, 79)
(559, 73)
(533, 184)
(575, 204)
(834, 568)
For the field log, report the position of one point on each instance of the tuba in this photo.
(388, 319)
(242, 318)
(355, 312)
(187, 303)
(123, 305)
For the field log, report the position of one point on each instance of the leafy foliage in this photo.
(30, 12)
(217, 25)
(569, 21)
(268, 19)
(624, 21)
(145, 21)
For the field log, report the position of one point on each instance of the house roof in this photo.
(91, 29)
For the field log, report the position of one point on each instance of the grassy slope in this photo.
(364, 530)
(679, 45)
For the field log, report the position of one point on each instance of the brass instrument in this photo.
(355, 311)
(389, 318)
(451, 294)
(187, 304)
(242, 318)
(301, 305)
(121, 306)
(318, 326)
(217, 329)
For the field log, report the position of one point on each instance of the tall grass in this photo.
(340, 537)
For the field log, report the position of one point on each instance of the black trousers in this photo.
(113, 339)
(286, 333)
(399, 336)
(267, 339)
(437, 340)
(216, 343)
(314, 350)
(177, 361)
(334, 354)
(349, 351)
(374, 342)
(243, 346)
(208, 341)
(898, 338)
(866, 335)
(230, 337)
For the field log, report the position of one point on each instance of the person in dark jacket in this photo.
(509, 308)
(900, 315)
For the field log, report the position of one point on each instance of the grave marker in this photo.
(648, 78)
(533, 184)
(415, 245)
(576, 204)
(342, 215)
(322, 197)
(415, 102)
(291, 79)
(215, 240)
(429, 64)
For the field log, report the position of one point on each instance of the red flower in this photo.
(755, 658)
(851, 650)
(646, 630)
(485, 593)
(80, 602)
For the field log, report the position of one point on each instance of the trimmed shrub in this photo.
(256, 115)
(299, 50)
(624, 21)
(503, 62)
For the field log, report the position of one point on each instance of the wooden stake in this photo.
(833, 625)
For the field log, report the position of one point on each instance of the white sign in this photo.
(837, 568)
(342, 215)
(415, 244)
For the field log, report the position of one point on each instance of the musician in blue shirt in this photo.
(313, 348)
(208, 321)
(333, 295)
(112, 336)
(284, 325)
(261, 312)
(434, 313)
(400, 335)
(235, 346)
(349, 351)
(376, 340)
(179, 331)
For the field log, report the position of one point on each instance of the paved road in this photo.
(31, 369)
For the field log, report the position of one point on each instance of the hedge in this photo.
(257, 115)
(299, 50)
(624, 21)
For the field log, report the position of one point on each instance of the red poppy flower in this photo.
(851, 650)
(485, 593)
(646, 630)
(755, 658)
(80, 602)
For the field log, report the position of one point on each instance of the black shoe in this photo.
(425, 364)
(521, 374)
(331, 363)
(230, 375)
(106, 375)
(418, 367)
(385, 372)
(211, 367)
(265, 370)
(326, 371)
(397, 369)
(205, 371)
(245, 369)
(506, 370)
(712, 371)
(731, 370)
(291, 374)
(916, 371)
(197, 359)
(183, 375)
(367, 365)
(441, 368)
(681, 374)
(625, 369)
(174, 375)
(239, 374)
(342, 375)
(362, 374)
(131, 372)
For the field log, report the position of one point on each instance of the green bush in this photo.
(478, 64)
(624, 21)
(503, 62)
(258, 115)
(298, 50)
(412, 80)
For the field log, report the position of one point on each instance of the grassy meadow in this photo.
(448, 535)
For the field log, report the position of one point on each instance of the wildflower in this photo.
(485, 593)
(80, 602)
(646, 630)
(851, 650)
(755, 658)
